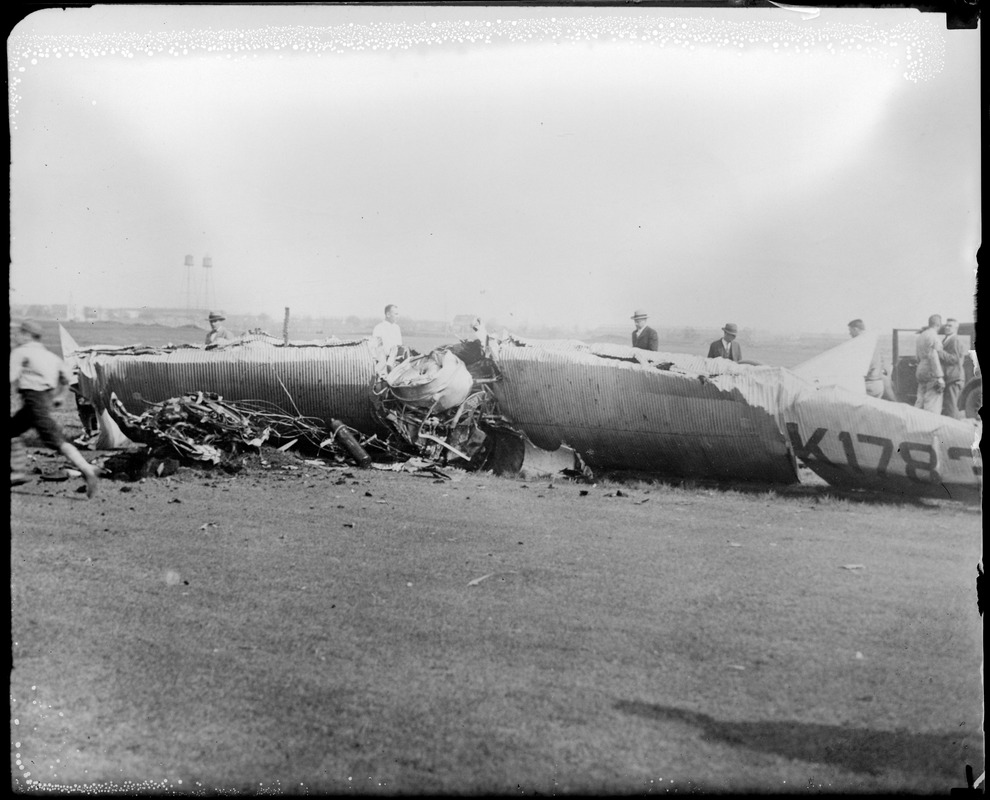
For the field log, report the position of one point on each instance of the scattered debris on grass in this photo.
(201, 429)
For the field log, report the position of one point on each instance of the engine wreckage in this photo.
(549, 407)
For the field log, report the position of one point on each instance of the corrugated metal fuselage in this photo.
(622, 415)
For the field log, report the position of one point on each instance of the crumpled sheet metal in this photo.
(435, 433)
(197, 426)
(438, 380)
(324, 382)
(622, 415)
(704, 417)
(683, 363)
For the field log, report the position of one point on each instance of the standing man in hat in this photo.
(218, 333)
(644, 337)
(41, 379)
(727, 346)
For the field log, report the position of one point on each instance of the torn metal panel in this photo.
(622, 414)
(845, 365)
(322, 382)
(859, 441)
(683, 363)
(512, 453)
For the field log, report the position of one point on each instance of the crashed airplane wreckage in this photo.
(577, 406)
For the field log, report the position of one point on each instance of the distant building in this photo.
(38, 311)
(462, 323)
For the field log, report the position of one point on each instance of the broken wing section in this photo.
(844, 365)
(859, 441)
(322, 382)
(619, 413)
(686, 416)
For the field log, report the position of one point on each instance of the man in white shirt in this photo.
(386, 340)
(41, 379)
(387, 333)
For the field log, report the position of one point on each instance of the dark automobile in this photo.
(905, 362)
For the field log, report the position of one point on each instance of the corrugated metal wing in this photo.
(323, 382)
(861, 441)
(668, 413)
(713, 418)
(623, 415)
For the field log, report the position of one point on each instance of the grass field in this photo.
(301, 629)
(333, 631)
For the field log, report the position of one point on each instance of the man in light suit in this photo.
(644, 337)
(218, 333)
(727, 346)
(929, 372)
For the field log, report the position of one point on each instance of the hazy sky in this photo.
(549, 164)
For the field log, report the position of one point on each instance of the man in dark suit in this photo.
(644, 337)
(727, 346)
(952, 356)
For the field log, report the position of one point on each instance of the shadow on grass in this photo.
(855, 749)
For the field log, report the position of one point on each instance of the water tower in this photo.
(209, 292)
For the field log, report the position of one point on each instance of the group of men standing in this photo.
(940, 352)
(939, 372)
(645, 338)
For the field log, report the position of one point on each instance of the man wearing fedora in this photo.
(727, 346)
(218, 333)
(644, 337)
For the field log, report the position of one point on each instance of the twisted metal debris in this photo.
(437, 408)
(200, 426)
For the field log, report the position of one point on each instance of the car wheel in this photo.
(974, 402)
